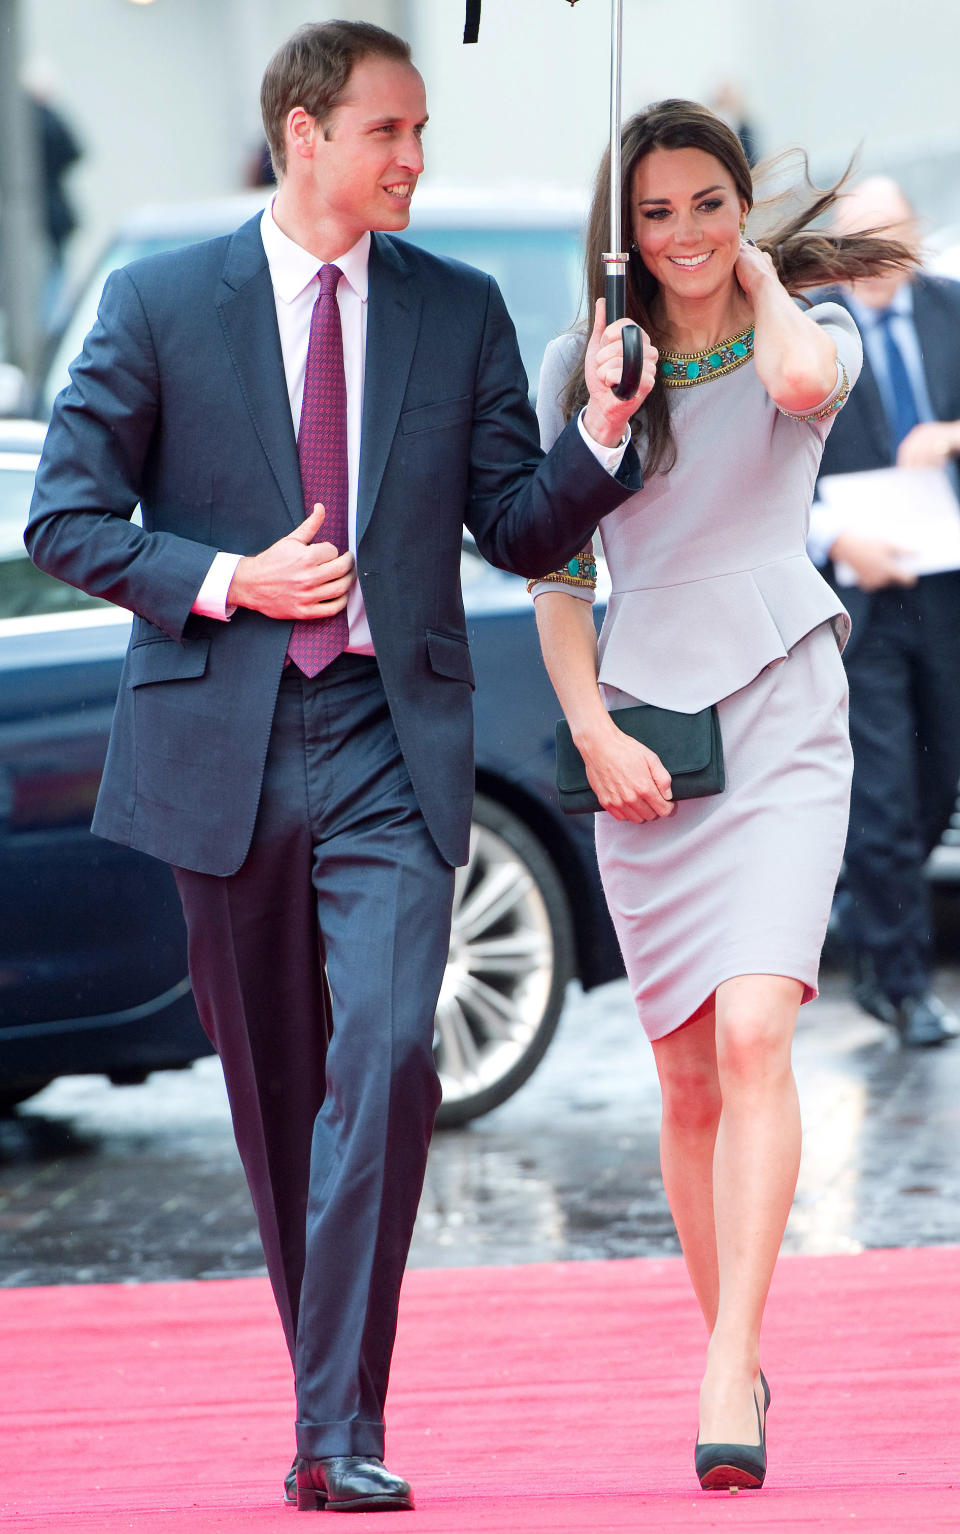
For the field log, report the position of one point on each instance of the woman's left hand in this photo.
(754, 267)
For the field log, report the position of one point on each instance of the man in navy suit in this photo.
(903, 659)
(314, 810)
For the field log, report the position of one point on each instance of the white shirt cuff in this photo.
(825, 527)
(211, 599)
(609, 458)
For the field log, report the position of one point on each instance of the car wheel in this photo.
(511, 946)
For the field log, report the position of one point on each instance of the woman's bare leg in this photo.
(687, 1066)
(756, 1163)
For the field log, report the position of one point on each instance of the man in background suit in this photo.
(903, 659)
(294, 725)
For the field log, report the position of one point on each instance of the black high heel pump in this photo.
(734, 1466)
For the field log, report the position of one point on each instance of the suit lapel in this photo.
(936, 336)
(249, 318)
(393, 322)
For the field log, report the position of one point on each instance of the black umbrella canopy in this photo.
(614, 260)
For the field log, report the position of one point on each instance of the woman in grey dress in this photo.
(720, 903)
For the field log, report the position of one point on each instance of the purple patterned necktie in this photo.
(322, 445)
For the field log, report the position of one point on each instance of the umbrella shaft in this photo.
(616, 53)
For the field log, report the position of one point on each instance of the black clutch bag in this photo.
(688, 745)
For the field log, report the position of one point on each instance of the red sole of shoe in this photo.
(730, 1478)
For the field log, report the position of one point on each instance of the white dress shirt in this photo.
(826, 524)
(294, 273)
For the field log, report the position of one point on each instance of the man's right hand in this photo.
(875, 562)
(295, 577)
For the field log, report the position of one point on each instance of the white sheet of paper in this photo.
(916, 508)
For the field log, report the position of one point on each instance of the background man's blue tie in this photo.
(905, 414)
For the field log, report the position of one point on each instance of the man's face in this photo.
(365, 163)
(878, 206)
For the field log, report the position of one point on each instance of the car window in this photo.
(70, 341)
(538, 271)
(25, 592)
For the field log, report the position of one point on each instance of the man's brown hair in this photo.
(311, 70)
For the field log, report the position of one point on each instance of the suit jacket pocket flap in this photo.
(450, 656)
(446, 412)
(166, 660)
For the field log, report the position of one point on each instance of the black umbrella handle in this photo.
(615, 293)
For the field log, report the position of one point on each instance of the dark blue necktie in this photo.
(904, 414)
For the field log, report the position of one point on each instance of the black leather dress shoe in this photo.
(349, 1483)
(924, 1022)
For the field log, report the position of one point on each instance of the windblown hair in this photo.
(311, 70)
(803, 257)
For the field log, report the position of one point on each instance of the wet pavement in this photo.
(116, 1184)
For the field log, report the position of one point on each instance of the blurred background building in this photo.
(162, 94)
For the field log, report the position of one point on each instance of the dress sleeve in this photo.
(579, 576)
(840, 326)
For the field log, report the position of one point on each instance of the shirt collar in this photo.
(901, 305)
(292, 268)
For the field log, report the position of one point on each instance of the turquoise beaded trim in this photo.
(681, 370)
(579, 571)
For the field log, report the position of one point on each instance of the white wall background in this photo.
(164, 95)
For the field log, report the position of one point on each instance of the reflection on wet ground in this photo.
(109, 1184)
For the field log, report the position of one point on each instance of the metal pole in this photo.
(616, 54)
(615, 260)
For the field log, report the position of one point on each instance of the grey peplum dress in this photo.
(714, 600)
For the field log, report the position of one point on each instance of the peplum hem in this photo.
(723, 631)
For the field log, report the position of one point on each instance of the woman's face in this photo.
(686, 221)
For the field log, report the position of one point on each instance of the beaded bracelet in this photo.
(823, 412)
(579, 571)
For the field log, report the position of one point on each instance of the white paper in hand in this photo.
(915, 508)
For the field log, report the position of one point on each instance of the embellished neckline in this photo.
(681, 370)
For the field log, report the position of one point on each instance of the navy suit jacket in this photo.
(860, 435)
(178, 401)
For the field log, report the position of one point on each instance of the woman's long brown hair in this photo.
(803, 257)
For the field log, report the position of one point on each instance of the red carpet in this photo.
(527, 1400)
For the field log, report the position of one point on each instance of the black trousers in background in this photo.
(904, 672)
(333, 1107)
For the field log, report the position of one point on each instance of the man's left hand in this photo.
(606, 417)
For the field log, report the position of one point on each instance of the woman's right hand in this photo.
(606, 417)
(628, 778)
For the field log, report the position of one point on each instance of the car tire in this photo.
(511, 951)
